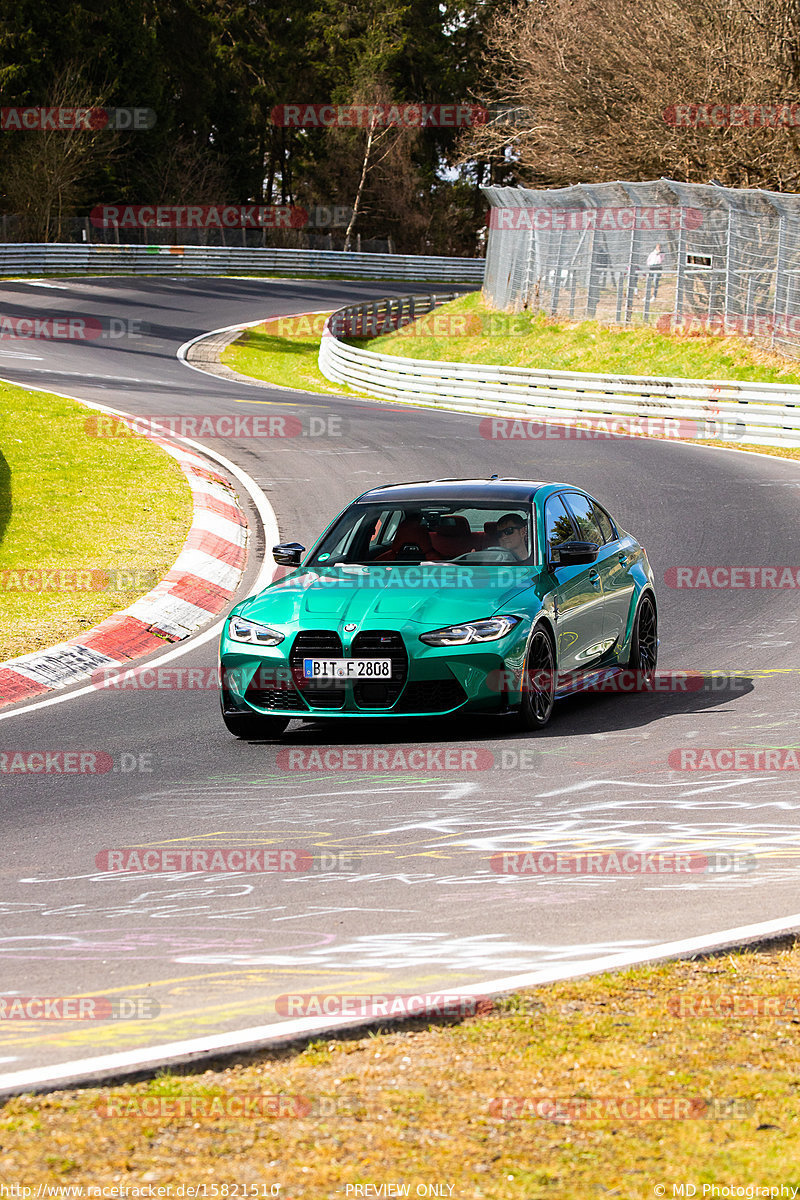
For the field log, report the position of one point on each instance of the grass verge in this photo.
(284, 352)
(467, 330)
(111, 513)
(715, 1040)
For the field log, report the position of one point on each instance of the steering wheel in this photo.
(480, 557)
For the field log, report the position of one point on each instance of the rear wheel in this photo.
(644, 645)
(539, 682)
(251, 727)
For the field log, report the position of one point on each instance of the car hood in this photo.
(380, 595)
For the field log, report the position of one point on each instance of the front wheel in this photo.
(251, 727)
(644, 645)
(539, 682)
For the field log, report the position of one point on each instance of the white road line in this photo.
(262, 383)
(263, 1035)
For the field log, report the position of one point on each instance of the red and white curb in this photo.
(201, 583)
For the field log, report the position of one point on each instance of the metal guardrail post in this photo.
(729, 272)
(681, 273)
(780, 267)
(632, 275)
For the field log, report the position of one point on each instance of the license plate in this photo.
(347, 668)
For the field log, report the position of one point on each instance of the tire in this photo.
(539, 683)
(251, 727)
(644, 644)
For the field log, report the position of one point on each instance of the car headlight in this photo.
(487, 630)
(242, 630)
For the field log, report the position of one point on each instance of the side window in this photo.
(558, 526)
(345, 534)
(386, 527)
(604, 521)
(582, 510)
(378, 539)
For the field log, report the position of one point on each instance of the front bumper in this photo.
(427, 680)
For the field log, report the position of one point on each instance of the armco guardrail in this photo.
(763, 414)
(74, 259)
(371, 318)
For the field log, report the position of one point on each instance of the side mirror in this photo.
(575, 554)
(288, 554)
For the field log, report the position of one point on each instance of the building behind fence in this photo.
(681, 256)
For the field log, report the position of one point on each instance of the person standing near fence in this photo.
(655, 263)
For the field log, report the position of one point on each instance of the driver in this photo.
(512, 534)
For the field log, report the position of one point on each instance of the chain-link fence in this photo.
(684, 257)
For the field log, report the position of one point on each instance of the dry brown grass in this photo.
(414, 1106)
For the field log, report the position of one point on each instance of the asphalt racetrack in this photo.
(418, 907)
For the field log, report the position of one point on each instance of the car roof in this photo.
(508, 491)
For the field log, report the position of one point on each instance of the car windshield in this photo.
(429, 532)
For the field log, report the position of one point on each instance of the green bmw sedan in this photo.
(432, 599)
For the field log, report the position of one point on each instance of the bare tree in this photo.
(44, 170)
(186, 173)
(598, 77)
(385, 153)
